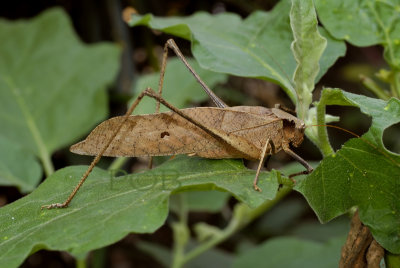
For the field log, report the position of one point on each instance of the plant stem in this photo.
(396, 84)
(81, 263)
(42, 151)
(117, 163)
(181, 233)
(98, 258)
(47, 164)
(374, 87)
(323, 140)
(392, 260)
(240, 219)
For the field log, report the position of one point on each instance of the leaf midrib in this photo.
(44, 154)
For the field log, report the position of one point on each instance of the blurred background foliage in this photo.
(96, 21)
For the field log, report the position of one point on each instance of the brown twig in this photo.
(360, 249)
(375, 254)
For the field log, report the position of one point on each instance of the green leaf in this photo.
(180, 87)
(322, 232)
(214, 257)
(211, 258)
(364, 23)
(52, 86)
(158, 252)
(292, 252)
(115, 207)
(280, 219)
(258, 46)
(17, 167)
(202, 201)
(362, 173)
(308, 47)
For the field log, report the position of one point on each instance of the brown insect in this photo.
(249, 132)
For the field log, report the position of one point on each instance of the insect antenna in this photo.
(333, 126)
(363, 139)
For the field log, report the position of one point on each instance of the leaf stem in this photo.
(242, 216)
(181, 233)
(392, 260)
(117, 163)
(373, 87)
(47, 164)
(323, 140)
(43, 153)
(80, 263)
(396, 84)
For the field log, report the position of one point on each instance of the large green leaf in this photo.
(52, 86)
(362, 173)
(213, 257)
(258, 46)
(17, 167)
(364, 23)
(292, 252)
(202, 201)
(308, 47)
(180, 87)
(117, 206)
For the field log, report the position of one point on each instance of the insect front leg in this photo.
(263, 157)
(300, 160)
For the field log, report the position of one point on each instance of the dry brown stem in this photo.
(360, 249)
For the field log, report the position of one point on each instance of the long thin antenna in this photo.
(332, 126)
(363, 139)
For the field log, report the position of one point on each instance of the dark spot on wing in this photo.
(163, 134)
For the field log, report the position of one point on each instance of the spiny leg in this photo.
(98, 157)
(264, 156)
(218, 102)
(160, 87)
(162, 74)
(172, 45)
(300, 160)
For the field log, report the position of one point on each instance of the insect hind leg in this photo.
(98, 157)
